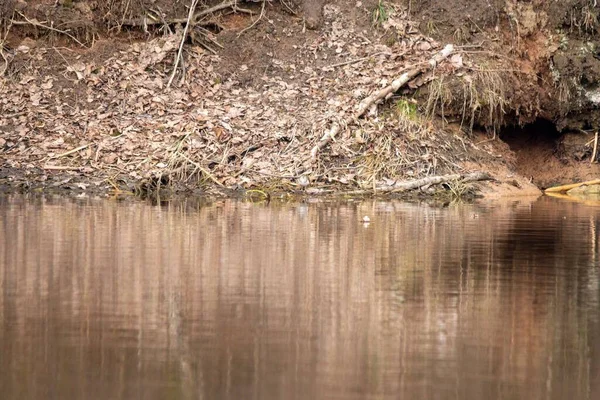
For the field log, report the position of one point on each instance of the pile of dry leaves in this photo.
(114, 122)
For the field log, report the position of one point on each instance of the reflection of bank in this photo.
(586, 198)
(246, 300)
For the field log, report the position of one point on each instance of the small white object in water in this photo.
(303, 181)
(366, 219)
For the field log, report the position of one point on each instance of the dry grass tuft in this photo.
(480, 97)
(585, 16)
(398, 152)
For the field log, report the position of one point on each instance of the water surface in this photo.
(230, 300)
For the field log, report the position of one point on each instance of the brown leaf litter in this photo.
(116, 123)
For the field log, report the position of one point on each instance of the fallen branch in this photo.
(382, 94)
(401, 81)
(404, 186)
(564, 188)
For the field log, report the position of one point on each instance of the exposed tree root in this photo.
(36, 23)
(193, 19)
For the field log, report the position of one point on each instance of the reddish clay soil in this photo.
(549, 158)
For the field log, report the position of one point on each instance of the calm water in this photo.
(231, 300)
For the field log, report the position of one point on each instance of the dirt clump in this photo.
(313, 13)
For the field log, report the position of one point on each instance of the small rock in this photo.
(303, 181)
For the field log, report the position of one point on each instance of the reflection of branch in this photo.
(35, 22)
(180, 344)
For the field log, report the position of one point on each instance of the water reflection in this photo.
(245, 301)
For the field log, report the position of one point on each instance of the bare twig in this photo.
(595, 152)
(61, 168)
(180, 51)
(262, 12)
(35, 22)
(75, 150)
(2, 41)
(349, 62)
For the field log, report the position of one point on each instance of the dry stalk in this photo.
(38, 24)
(179, 162)
(2, 41)
(262, 12)
(482, 95)
(389, 155)
(75, 150)
(180, 51)
(194, 20)
(595, 152)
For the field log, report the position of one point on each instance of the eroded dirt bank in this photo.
(539, 82)
(86, 104)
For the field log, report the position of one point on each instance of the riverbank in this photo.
(259, 103)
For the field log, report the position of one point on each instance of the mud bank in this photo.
(540, 67)
(105, 99)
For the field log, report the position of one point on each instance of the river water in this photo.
(101, 299)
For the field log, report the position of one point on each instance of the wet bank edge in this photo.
(465, 187)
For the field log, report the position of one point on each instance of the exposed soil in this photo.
(547, 55)
(88, 108)
(548, 52)
(548, 157)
